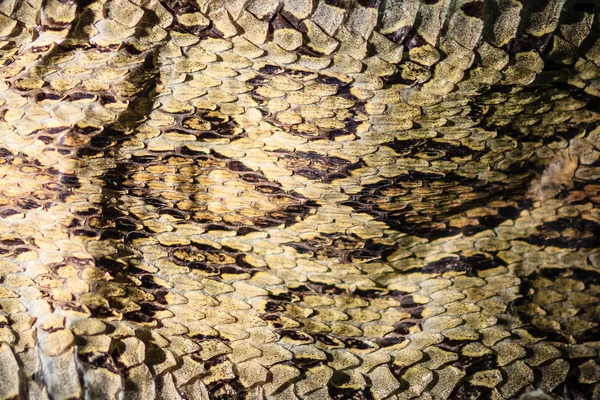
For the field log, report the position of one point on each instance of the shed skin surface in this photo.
(299, 200)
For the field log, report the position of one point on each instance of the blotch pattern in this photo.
(293, 199)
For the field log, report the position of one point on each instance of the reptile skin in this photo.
(299, 199)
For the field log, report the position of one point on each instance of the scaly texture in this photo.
(299, 199)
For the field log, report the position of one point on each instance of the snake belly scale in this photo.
(299, 199)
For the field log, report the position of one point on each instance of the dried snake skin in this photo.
(299, 199)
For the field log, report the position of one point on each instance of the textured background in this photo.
(341, 199)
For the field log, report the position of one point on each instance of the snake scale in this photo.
(299, 199)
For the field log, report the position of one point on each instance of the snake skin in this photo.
(299, 199)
